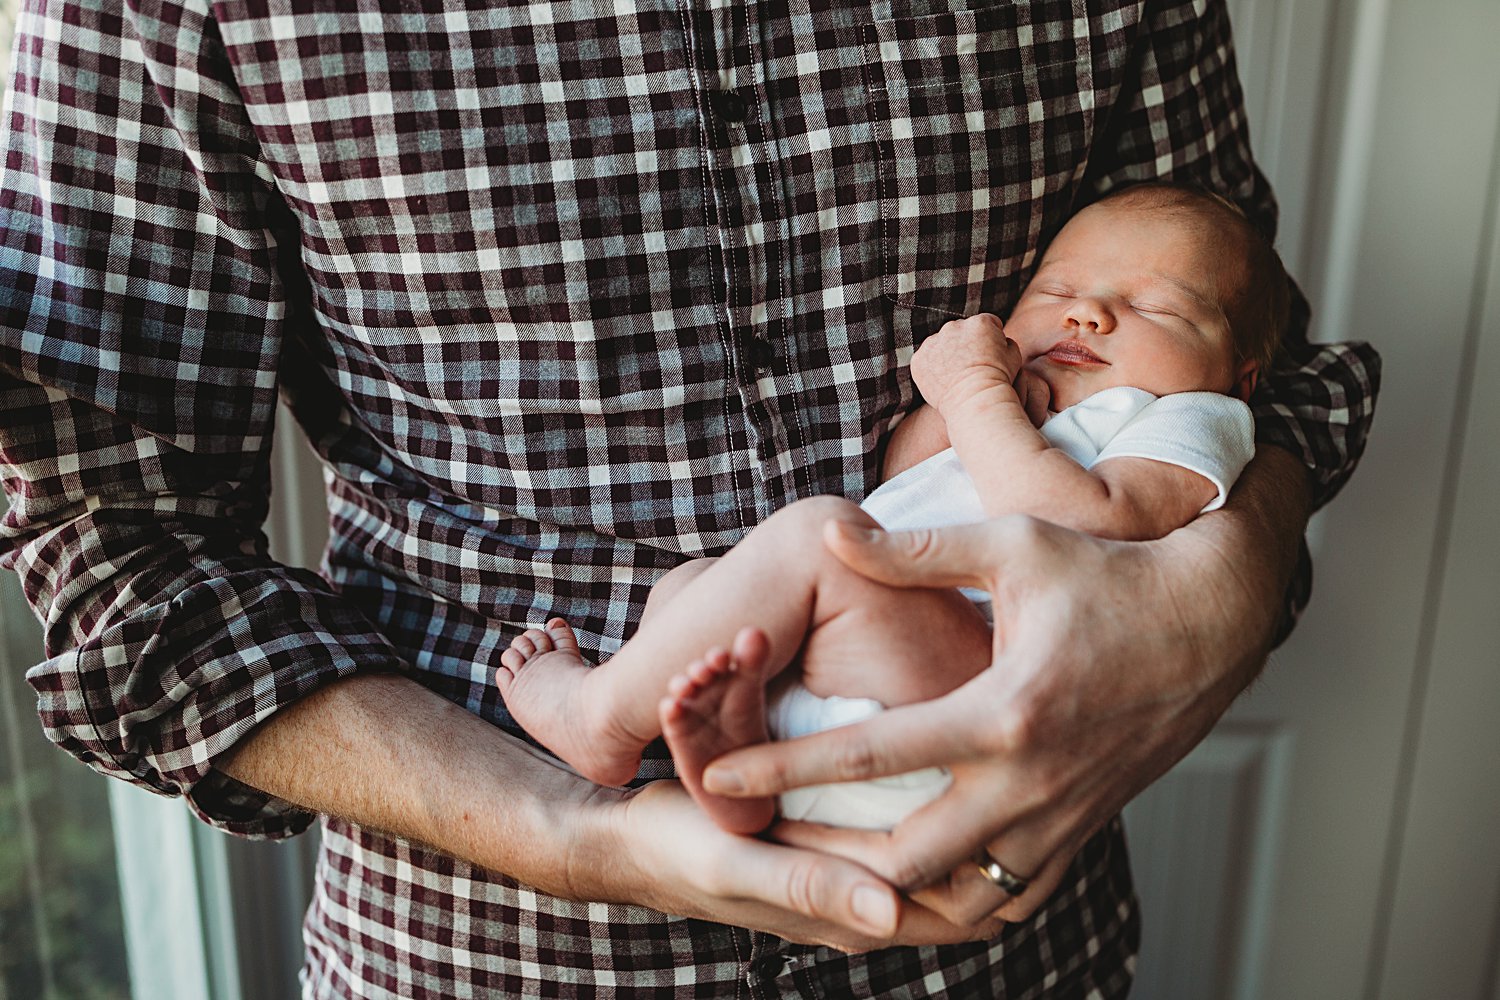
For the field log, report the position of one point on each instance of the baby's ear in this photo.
(1244, 380)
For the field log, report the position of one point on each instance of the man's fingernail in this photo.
(855, 533)
(875, 909)
(721, 782)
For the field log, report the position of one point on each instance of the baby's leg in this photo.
(781, 579)
(599, 719)
(678, 579)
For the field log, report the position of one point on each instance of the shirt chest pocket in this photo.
(982, 122)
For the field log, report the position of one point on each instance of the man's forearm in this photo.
(1252, 541)
(385, 752)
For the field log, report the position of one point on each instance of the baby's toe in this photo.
(540, 641)
(678, 688)
(560, 633)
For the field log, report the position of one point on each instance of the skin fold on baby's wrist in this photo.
(982, 390)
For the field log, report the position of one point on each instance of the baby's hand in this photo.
(965, 357)
(1035, 394)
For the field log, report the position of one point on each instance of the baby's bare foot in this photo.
(719, 704)
(544, 681)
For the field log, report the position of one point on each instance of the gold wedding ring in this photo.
(1003, 880)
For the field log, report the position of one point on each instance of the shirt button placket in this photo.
(752, 258)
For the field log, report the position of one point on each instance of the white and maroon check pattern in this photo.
(562, 293)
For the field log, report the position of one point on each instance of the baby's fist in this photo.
(963, 357)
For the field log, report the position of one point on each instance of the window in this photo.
(108, 892)
(61, 930)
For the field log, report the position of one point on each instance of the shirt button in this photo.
(762, 352)
(729, 105)
(768, 966)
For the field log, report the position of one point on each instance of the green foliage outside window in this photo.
(61, 932)
(61, 936)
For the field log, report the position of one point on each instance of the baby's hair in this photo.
(1259, 310)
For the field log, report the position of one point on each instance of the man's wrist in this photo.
(383, 751)
(598, 864)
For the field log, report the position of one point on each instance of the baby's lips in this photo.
(1073, 352)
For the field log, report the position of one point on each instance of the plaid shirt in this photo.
(562, 293)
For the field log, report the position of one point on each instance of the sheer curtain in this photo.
(8, 9)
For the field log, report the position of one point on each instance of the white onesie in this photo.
(1208, 433)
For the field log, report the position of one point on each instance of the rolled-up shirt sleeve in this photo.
(1186, 121)
(142, 315)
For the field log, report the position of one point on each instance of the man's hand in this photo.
(663, 851)
(1112, 660)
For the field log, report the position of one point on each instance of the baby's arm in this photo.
(967, 372)
(920, 435)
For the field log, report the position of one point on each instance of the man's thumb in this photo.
(927, 557)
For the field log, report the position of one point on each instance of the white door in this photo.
(1337, 835)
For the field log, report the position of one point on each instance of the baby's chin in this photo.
(1069, 386)
(1066, 392)
(1062, 402)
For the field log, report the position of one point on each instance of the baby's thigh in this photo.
(673, 583)
(895, 646)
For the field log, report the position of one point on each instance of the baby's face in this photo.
(1126, 296)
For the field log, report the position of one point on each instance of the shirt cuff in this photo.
(159, 697)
